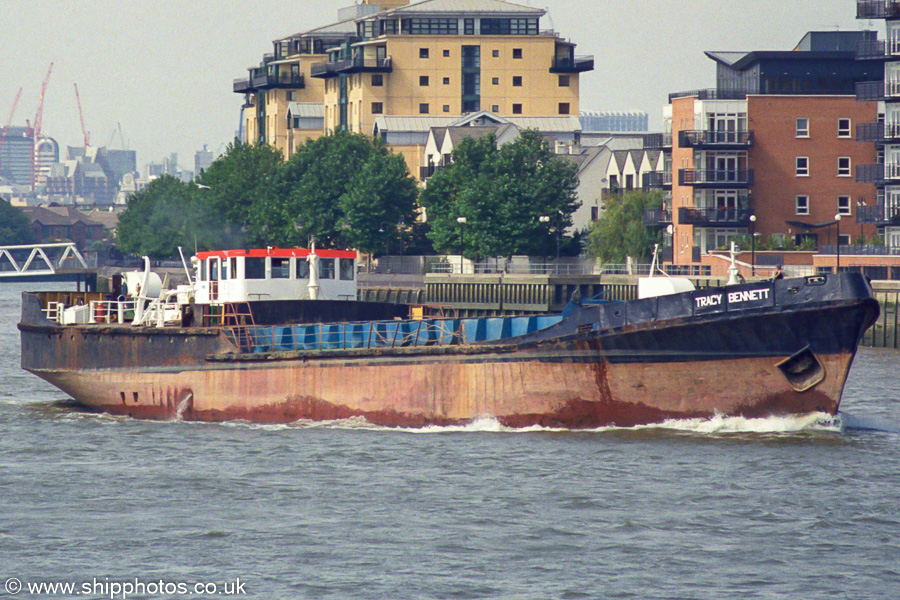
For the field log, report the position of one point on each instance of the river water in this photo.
(802, 507)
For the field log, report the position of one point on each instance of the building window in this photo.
(377, 80)
(495, 53)
(802, 127)
(469, 26)
(495, 108)
(517, 53)
(843, 205)
(844, 128)
(446, 53)
(423, 108)
(802, 166)
(377, 108)
(563, 108)
(423, 52)
(446, 81)
(517, 109)
(595, 213)
(517, 81)
(802, 205)
(446, 108)
(563, 81)
(423, 80)
(843, 166)
(495, 81)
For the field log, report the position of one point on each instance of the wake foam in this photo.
(716, 425)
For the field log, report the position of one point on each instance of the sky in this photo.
(163, 71)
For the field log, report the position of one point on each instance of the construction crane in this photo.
(84, 132)
(38, 122)
(12, 112)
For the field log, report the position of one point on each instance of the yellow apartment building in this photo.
(434, 60)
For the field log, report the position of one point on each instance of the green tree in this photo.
(167, 214)
(620, 231)
(14, 226)
(382, 196)
(241, 180)
(333, 185)
(502, 193)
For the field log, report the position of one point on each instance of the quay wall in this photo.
(485, 295)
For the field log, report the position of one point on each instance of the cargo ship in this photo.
(277, 335)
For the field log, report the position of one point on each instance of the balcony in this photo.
(878, 215)
(709, 94)
(715, 217)
(657, 141)
(242, 86)
(870, 174)
(656, 217)
(870, 91)
(721, 140)
(267, 81)
(716, 178)
(579, 64)
(871, 50)
(657, 179)
(877, 9)
(880, 133)
(351, 65)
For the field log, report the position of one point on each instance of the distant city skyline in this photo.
(164, 72)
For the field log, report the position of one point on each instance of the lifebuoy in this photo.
(100, 313)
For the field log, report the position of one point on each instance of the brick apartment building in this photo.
(770, 151)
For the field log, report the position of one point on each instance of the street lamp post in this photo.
(752, 246)
(462, 222)
(837, 222)
(544, 219)
(859, 208)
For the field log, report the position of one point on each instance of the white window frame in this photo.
(804, 170)
(845, 133)
(841, 170)
(802, 131)
(844, 205)
(801, 205)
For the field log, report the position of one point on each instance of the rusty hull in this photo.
(643, 371)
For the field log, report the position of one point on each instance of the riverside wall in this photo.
(494, 294)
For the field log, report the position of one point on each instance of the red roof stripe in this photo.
(276, 252)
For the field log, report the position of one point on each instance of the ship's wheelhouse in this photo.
(274, 274)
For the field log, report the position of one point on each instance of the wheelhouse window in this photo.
(326, 268)
(281, 268)
(347, 269)
(234, 267)
(302, 269)
(254, 267)
(214, 269)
